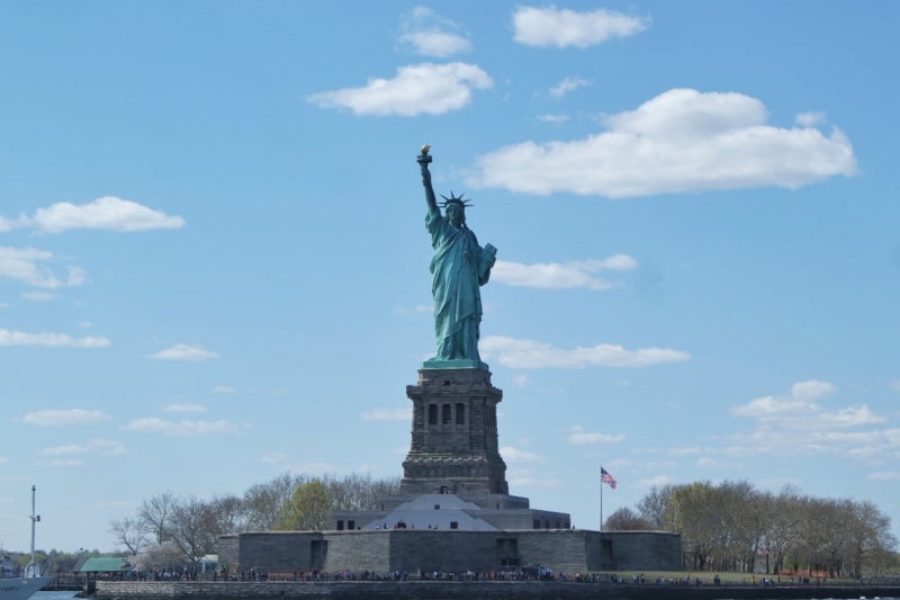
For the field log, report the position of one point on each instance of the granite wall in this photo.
(269, 551)
(644, 550)
(358, 551)
(567, 550)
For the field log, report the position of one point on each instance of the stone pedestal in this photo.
(454, 435)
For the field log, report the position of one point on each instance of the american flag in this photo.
(605, 477)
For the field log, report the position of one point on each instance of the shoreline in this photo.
(474, 590)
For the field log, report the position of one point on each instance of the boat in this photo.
(15, 585)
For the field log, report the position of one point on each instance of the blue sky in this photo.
(213, 259)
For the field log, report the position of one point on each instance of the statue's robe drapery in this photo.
(459, 266)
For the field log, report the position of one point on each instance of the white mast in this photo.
(32, 570)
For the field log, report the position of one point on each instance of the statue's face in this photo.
(455, 214)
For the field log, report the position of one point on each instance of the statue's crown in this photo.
(454, 199)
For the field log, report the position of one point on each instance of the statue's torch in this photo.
(424, 158)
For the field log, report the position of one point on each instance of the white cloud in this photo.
(810, 119)
(851, 416)
(658, 481)
(579, 437)
(184, 408)
(680, 141)
(684, 451)
(553, 118)
(885, 476)
(425, 88)
(799, 409)
(62, 462)
(814, 437)
(387, 414)
(107, 213)
(3, 460)
(27, 265)
(895, 385)
(522, 380)
(38, 296)
(107, 446)
(773, 406)
(317, 468)
(528, 479)
(64, 417)
(560, 28)
(185, 352)
(225, 389)
(50, 340)
(527, 354)
(864, 451)
(419, 308)
(812, 389)
(76, 276)
(705, 461)
(576, 274)
(437, 43)
(273, 457)
(515, 456)
(180, 428)
(98, 446)
(567, 85)
(433, 35)
(67, 449)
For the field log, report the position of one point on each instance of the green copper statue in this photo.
(459, 266)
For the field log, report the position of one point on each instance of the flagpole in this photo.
(601, 499)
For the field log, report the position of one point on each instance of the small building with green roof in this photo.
(103, 564)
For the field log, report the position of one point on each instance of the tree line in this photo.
(170, 531)
(732, 526)
(52, 561)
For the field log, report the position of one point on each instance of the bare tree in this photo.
(868, 538)
(746, 519)
(161, 557)
(625, 519)
(155, 513)
(781, 534)
(654, 504)
(130, 533)
(264, 502)
(359, 492)
(229, 514)
(194, 528)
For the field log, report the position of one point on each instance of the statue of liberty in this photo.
(459, 266)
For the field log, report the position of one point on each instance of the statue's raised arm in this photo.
(423, 159)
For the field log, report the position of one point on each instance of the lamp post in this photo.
(32, 570)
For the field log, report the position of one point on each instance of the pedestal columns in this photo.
(454, 435)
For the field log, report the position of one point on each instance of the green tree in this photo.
(308, 508)
(691, 511)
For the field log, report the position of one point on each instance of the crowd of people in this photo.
(532, 573)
